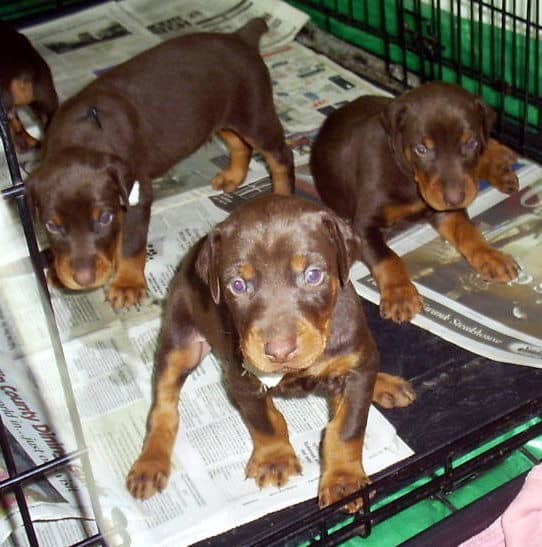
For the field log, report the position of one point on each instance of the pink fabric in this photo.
(521, 524)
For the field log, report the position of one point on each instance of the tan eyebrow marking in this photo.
(247, 271)
(299, 263)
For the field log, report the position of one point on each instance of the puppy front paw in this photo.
(400, 302)
(393, 391)
(501, 173)
(336, 484)
(123, 296)
(148, 476)
(493, 265)
(273, 465)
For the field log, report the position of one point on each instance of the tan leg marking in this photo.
(150, 472)
(399, 298)
(490, 263)
(128, 286)
(273, 459)
(279, 174)
(496, 166)
(392, 391)
(342, 472)
(21, 138)
(231, 177)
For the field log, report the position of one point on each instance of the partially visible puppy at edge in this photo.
(25, 80)
(268, 292)
(417, 157)
(93, 188)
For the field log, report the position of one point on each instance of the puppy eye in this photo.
(105, 218)
(421, 149)
(313, 276)
(239, 285)
(470, 145)
(52, 227)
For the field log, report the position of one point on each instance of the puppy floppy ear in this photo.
(345, 241)
(207, 263)
(393, 119)
(487, 116)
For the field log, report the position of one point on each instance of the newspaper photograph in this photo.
(500, 321)
(88, 42)
(181, 17)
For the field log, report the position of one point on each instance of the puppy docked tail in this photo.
(252, 31)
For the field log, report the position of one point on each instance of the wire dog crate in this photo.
(491, 48)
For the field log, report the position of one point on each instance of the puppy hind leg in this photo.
(232, 176)
(393, 391)
(268, 139)
(281, 165)
(150, 472)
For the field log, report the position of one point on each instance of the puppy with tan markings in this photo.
(268, 291)
(93, 191)
(25, 80)
(417, 157)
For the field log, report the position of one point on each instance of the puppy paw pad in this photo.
(124, 297)
(227, 181)
(493, 265)
(400, 303)
(147, 477)
(273, 469)
(335, 486)
(394, 392)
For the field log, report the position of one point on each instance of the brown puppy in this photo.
(419, 156)
(134, 123)
(25, 80)
(268, 291)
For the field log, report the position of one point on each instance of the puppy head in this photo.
(279, 263)
(437, 133)
(80, 205)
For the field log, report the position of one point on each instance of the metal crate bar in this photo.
(17, 193)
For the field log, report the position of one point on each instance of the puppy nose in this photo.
(454, 197)
(281, 350)
(84, 276)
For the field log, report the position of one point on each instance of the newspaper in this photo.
(500, 321)
(36, 436)
(179, 17)
(109, 353)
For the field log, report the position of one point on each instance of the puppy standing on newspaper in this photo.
(93, 189)
(268, 291)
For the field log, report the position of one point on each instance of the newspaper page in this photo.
(500, 321)
(60, 499)
(185, 16)
(78, 47)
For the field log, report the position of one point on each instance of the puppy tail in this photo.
(252, 31)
